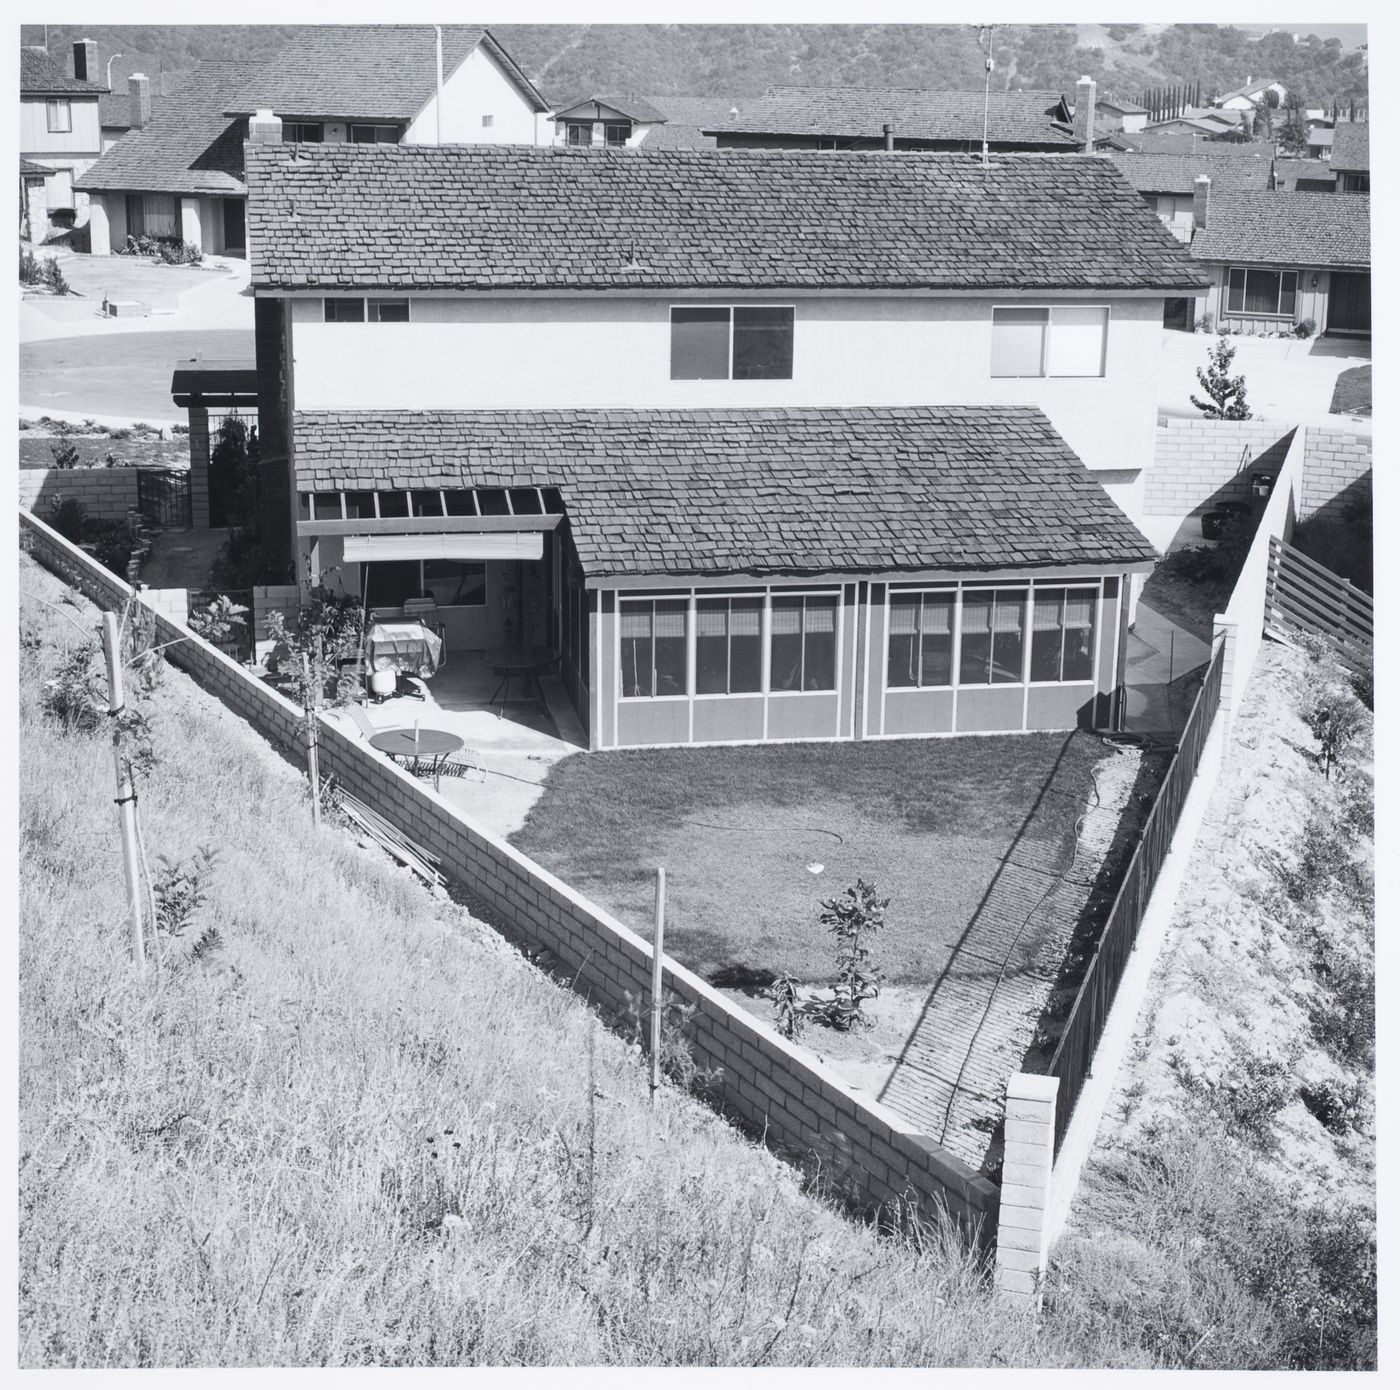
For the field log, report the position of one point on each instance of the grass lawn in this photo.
(740, 831)
(1352, 393)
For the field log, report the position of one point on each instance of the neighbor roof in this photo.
(1128, 108)
(1182, 142)
(688, 119)
(1253, 89)
(1177, 173)
(1290, 229)
(1024, 118)
(1351, 147)
(1291, 174)
(518, 217)
(756, 491)
(114, 109)
(190, 146)
(371, 72)
(638, 108)
(41, 75)
(29, 170)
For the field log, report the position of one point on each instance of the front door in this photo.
(235, 238)
(1349, 303)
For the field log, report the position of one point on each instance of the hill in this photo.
(728, 60)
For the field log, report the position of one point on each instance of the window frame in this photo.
(351, 128)
(370, 307)
(730, 309)
(1045, 374)
(1243, 311)
(300, 139)
(571, 126)
(954, 633)
(995, 589)
(55, 107)
(704, 596)
(837, 597)
(651, 600)
(1095, 595)
(626, 127)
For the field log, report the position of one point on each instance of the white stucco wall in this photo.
(477, 88)
(477, 354)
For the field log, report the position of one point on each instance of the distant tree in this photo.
(1271, 99)
(1226, 392)
(1294, 133)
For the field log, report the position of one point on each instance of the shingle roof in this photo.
(1253, 89)
(1182, 142)
(190, 146)
(1177, 173)
(371, 72)
(29, 170)
(1290, 229)
(41, 75)
(114, 109)
(687, 120)
(1121, 104)
(1351, 147)
(517, 217)
(638, 108)
(1019, 118)
(824, 490)
(1290, 174)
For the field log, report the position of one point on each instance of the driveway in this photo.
(1286, 379)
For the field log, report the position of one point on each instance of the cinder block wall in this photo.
(1336, 472)
(106, 493)
(868, 1154)
(1210, 461)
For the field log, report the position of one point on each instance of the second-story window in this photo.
(356, 310)
(302, 133)
(617, 134)
(1060, 341)
(579, 132)
(374, 135)
(60, 116)
(740, 343)
(487, 122)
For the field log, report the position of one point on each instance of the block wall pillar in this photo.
(190, 222)
(99, 229)
(199, 467)
(1025, 1185)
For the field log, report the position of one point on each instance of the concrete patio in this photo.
(516, 744)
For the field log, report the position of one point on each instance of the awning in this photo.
(492, 545)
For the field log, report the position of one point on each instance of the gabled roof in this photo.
(517, 217)
(29, 170)
(848, 113)
(687, 121)
(1297, 174)
(190, 146)
(41, 75)
(1182, 142)
(1253, 89)
(1288, 229)
(1128, 108)
(114, 109)
(1351, 147)
(637, 108)
(369, 72)
(756, 491)
(1177, 173)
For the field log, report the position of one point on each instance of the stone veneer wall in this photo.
(867, 1153)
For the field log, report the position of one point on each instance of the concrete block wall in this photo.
(107, 493)
(1197, 462)
(199, 467)
(1028, 1163)
(1336, 471)
(869, 1154)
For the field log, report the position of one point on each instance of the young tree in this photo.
(1226, 392)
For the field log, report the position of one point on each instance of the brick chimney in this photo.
(1200, 201)
(1086, 94)
(139, 85)
(265, 128)
(85, 67)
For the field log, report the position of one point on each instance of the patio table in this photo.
(522, 663)
(432, 746)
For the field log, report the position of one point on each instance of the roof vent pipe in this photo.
(889, 138)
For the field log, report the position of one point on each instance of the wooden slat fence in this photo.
(1074, 1056)
(1304, 596)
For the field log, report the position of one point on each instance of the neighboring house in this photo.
(770, 445)
(1351, 157)
(687, 121)
(1253, 95)
(132, 109)
(1304, 176)
(606, 120)
(1167, 181)
(904, 118)
(33, 206)
(1319, 144)
(1280, 259)
(179, 174)
(59, 131)
(1120, 114)
(1181, 142)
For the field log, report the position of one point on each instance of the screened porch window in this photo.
(1271, 292)
(803, 643)
(653, 647)
(728, 646)
(921, 640)
(993, 637)
(1062, 635)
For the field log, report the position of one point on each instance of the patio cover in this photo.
(495, 545)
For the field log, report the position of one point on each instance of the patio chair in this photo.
(361, 720)
(464, 763)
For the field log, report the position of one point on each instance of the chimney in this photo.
(139, 85)
(264, 128)
(85, 67)
(1200, 200)
(889, 138)
(1086, 92)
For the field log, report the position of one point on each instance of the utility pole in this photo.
(126, 793)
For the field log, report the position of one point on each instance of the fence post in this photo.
(1027, 1165)
(1228, 633)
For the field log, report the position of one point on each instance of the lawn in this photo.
(754, 838)
(1352, 393)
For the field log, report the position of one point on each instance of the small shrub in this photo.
(1342, 1011)
(853, 919)
(1321, 862)
(68, 517)
(1225, 394)
(678, 1064)
(1251, 1103)
(65, 455)
(179, 429)
(216, 621)
(1363, 686)
(1335, 719)
(53, 277)
(1304, 328)
(1207, 323)
(1337, 1108)
(111, 544)
(30, 272)
(76, 694)
(786, 1008)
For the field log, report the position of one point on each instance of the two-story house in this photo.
(768, 445)
(1351, 157)
(612, 121)
(60, 133)
(179, 173)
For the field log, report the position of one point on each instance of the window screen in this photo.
(388, 311)
(1062, 635)
(762, 344)
(1018, 341)
(993, 637)
(921, 640)
(728, 646)
(653, 647)
(1077, 338)
(699, 344)
(345, 310)
(803, 642)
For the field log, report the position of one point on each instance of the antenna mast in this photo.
(987, 32)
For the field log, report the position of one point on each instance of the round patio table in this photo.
(522, 663)
(425, 746)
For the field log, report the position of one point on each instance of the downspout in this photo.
(437, 31)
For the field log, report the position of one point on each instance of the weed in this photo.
(181, 889)
(1335, 719)
(68, 517)
(1253, 1101)
(678, 1062)
(786, 1006)
(76, 695)
(853, 919)
(218, 618)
